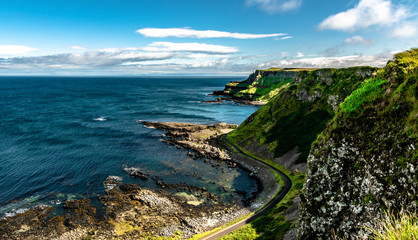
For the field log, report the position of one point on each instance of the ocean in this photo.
(61, 137)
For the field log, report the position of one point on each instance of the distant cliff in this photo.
(262, 85)
(366, 159)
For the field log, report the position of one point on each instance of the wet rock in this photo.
(135, 173)
(128, 187)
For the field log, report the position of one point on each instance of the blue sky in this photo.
(198, 37)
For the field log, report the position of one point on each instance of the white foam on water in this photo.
(100, 119)
(15, 212)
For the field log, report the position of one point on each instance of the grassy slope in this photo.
(286, 122)
(263, 89)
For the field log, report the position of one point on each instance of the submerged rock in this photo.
(135, 173)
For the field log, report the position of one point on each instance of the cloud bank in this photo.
(331, 62)
(191, 33)
(15, 49)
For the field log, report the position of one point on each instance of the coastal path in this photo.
(278, 197)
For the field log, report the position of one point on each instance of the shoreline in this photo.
(132, 211)
(184, 135)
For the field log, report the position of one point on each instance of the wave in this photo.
(100, 119)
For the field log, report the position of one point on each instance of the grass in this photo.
(263, 89)
(402, 226)
(368, 91)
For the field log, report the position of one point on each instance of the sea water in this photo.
(61, 137)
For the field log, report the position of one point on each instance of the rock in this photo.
(135, 173)
(128, 187)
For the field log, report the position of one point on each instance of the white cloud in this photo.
(406, 30)
(365, 14)
(299, 55)
(274, 6)
(359, 40)
(190, 47)
(15, 49)
(283, 38)
(191, 33)
(78, 48)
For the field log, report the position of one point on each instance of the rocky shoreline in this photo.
(132, 212)
(206, 141)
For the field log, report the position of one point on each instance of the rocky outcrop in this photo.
(195, 137)
(365, 161)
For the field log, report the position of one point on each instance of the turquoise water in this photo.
(60, 138)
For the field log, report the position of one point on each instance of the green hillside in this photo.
(299, 111)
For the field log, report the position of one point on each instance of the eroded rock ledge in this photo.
(196, 137)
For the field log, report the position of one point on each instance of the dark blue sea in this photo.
(61, 137)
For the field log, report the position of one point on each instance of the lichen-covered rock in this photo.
(366, 159)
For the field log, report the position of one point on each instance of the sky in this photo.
(199, 37)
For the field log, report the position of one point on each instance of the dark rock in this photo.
(129, 187)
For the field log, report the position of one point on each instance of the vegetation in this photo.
(263, 89)
(368, 91)
(299, 112)
(402, 226)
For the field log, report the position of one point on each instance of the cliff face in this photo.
(262, 85)
(365, 161)
(298, 112)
